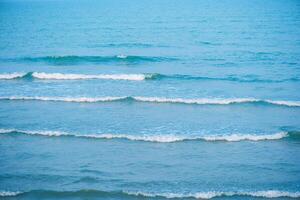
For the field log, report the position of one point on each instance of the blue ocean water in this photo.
(160, 99)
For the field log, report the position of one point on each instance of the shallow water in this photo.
(149, 100)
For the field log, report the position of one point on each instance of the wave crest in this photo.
(73, 60)
(213, 194)
(60, 76)
(124, 194)
(133, 77)
(161, 138)
(66, 99)
(199, 101)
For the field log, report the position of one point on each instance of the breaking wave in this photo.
(199, 101)
(133, 77)
(161, 138)
(128, 194)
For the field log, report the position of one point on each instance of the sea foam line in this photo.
(199, 101)
(197, 195)
(161, 138)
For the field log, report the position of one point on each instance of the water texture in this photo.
(161, 99)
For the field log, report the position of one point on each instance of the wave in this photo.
(127, 194)
(59, 76)
(199, 101)
(228, 78)
(73, 60)
(66, 99)
(203, 101)
(129, 45)
(213, 194)
(133, 77)
(161, 138)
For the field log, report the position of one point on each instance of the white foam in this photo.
(195, 101)
(148, 138)
(284, 103)
(65, 99)
(219, 101)
(273, 194)
(7, 130)
(161, 138)
(42, 133)
(12, 75)
(176, 138)
(213, 194)
(200, 195)
(121, 56)
(8, 193)
(215, 101)
(251, 137)
(59, 76)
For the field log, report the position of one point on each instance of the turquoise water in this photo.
(149, 99)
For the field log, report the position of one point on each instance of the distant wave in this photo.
(128, 45)
(126, 194)
(228, 78)
(133, 77)
(161, 138)
(73, 59)
(199, 101)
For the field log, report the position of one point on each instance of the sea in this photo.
(149, 99)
